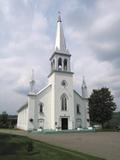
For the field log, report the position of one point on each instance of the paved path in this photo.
(101, 144)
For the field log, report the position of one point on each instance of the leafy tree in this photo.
(4, 120)
(114, 123)
(101, 106)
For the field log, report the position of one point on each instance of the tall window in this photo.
(41, 108)
(64, 102)
(78, 109)
(65, 64)
(53, 64)
(60, 64)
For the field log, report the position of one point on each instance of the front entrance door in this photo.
(64, 123)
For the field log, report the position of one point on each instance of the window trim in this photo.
(78, 109)
(64, 102)
(59, 63)
(41, 109)
(65, 64)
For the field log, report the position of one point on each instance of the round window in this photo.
(64, 83)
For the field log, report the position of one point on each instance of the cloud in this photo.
(24, 43)
(27, 41)
(95, 31)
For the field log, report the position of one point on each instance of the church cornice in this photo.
(32, 94)
(61, 72)
(80, 95)
(44, 89)
(23, 107)
(61, 54)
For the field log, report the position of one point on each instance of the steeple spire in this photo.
(60, 44)
(60, 59)
(84, 89)
(83, 82)
(32, 82)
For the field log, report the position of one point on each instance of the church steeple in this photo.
(84, 89)
(60, 60)
(32, 83)
(60, 44)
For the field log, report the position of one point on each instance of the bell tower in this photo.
(60, 60)
(61, 80)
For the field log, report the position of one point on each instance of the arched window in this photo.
(78, 109)
(64, 83)
(53, 64)
(64, 102)
(65, 64)
(41, 108)
(60, 64)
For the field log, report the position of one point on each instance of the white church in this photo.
(57, 106)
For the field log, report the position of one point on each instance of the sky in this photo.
(27, 39)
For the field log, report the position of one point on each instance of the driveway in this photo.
(101, 144)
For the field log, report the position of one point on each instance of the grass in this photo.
(14, 147)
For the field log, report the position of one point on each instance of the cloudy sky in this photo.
(27, 37)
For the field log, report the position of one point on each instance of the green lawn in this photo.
(14, 147)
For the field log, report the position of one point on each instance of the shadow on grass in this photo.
(22, 148)
(12, 144)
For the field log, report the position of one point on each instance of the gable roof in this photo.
(26, 104)
(44, 89)
(23, 107)
(79, 95)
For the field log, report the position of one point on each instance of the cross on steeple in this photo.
(59, 17)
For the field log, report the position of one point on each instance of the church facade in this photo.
(57, 106)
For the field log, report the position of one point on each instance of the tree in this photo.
(101, 106)
(4, 120)
(114, 123)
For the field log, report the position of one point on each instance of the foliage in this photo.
(101, 106)
(4, 120)
(114, 123)
(7, 121)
